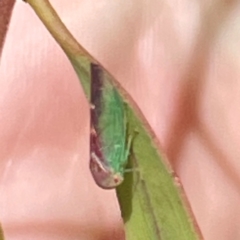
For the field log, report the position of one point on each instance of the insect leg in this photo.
(129, 144)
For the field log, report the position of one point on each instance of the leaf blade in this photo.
(155, 208)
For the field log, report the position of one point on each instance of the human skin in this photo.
(179, 62)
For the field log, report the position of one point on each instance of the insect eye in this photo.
(116, 180)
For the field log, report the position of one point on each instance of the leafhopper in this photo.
(109, 143)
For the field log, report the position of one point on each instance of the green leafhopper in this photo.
(109, 146)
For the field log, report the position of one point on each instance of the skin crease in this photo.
(180, 63)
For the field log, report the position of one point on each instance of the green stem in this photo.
(78, 56)
(53, 23)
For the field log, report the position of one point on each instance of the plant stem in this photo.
(53, 23)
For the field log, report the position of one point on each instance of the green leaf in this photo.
(152, 201)
(151, 198)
